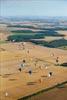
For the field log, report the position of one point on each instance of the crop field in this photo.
(32, 59)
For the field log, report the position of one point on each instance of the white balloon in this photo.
(6, 94)
(46, 67)
(49, 75)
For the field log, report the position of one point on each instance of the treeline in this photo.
(44, 33)
(19, 38)
(52, 44)
(22, 26)
(31, 38)
(41, 28)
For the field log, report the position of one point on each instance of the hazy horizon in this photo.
(33, 8)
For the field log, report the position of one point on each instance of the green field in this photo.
(30, 36)
(63, 47)
(3, 41)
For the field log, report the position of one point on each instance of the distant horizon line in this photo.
(30, 16)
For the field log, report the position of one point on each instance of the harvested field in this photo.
(16, 84)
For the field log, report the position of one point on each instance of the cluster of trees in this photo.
(52, 44)
(22, 26)
(64, 64)
(19, 38)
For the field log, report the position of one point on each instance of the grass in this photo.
(63, 47)
(3, 41)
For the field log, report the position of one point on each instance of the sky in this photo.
(33, 8)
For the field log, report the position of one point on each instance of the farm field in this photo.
(19, 84)
(33, 50)
(31, 59)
